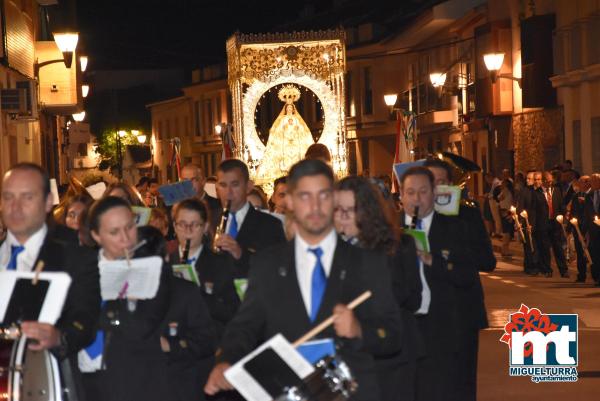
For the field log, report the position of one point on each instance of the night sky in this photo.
(175, 33)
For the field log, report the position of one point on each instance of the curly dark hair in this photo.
(374, 218)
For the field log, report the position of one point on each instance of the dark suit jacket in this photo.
(593, 231)
(193, 343)
(540, 206)
(471, 300)
(273, 304)
(215, 273)
(135, 362)
(259, 231)
(82, 306)
(452, 271)
(558, 206)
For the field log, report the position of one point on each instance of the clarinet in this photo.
(221, 227)
(415, 219)
(186, 251)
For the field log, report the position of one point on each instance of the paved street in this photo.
(505, 289)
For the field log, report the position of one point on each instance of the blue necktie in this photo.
(419, 224)
(15, 250)
(318, 284)
(233, 227)
(191, 261)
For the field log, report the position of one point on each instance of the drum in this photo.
(331, 381)
(27, 375)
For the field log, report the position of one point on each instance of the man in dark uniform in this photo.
(445, 269)
(472, 313)
(26, 201)
(554, 199)
(592, 210)
(296, 285)
(248, 230)
(525, 202)
(541, 226)
(577, 207)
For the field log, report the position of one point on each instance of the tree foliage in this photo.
(107, 148)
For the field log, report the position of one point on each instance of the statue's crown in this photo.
(289, 94)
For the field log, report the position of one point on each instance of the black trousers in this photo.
(466, 375)
(557, 242)
(436, 377)
(594, 248)
(581, 259)
(530, 260)
(542, 248)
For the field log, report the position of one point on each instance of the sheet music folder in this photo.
(264, 374)
(21, 300)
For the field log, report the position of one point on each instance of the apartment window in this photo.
(368, 91)
(349, 95)
(218, 115)
(82, 150)
(198, 115)
(176, 127)
(168, 128)
(186, 126)
(577, 164)
(159, 130)
(210, 124)
(595, 144)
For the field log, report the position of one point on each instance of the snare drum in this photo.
(331, 381)
(27, 375)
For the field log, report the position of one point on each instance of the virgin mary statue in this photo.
(289, 137)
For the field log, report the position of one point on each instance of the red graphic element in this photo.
(524, 321)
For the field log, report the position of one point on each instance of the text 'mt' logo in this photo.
(542, 346)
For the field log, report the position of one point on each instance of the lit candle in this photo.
(559, 218)
(573, 221)
(513, 209)
(524, 214)
(597, 220)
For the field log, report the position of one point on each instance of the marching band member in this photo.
(443, 270)
(188, 334)
(472, 312)
(215, 271)
(360, 217)
(294, 286)
(131, 364)
(26, 202)
(248, 230)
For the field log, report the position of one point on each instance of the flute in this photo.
(186, 251)
(415, 218)
(221, 228)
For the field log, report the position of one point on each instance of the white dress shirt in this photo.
(306, 261)
(426, 291)
(29, 255)
(240, 216)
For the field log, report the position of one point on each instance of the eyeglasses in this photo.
(345, 212)
(182, 225)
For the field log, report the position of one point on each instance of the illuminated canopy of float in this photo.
(257, 63)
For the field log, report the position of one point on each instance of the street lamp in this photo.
(141, 138)
(218, 129)
(390, 99)
(438, 79)
(79, 117)
(85, 90)
(122, 133)
(83, 62)
(493, 62)
(66, 42)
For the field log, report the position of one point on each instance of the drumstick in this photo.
(327, 322)
(38, 268)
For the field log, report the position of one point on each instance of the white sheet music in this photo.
(139, 278)
(55, 297)
(248, 386)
